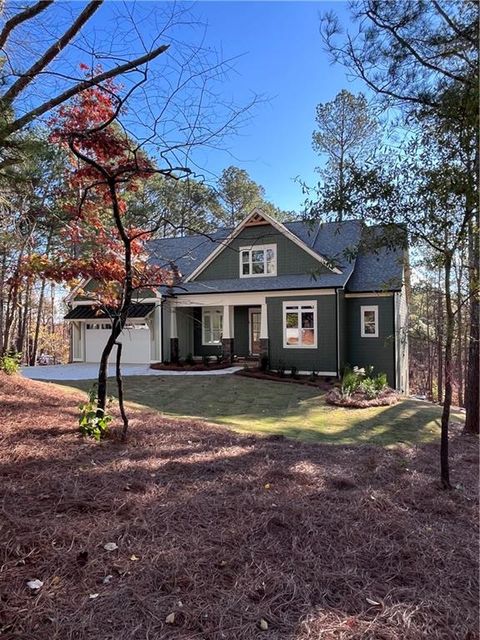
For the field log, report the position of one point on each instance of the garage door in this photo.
(135, 339)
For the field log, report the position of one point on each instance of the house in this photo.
(302, 296)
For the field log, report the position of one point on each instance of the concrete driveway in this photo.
(81, 371)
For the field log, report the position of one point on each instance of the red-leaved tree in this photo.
(101, 240)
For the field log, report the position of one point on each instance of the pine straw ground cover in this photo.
(223, 530)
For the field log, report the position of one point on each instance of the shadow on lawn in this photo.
(268, 408)
(224, 530)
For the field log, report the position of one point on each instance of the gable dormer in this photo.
(260, 246)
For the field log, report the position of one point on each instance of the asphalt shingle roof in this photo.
(338, 242)
(87, 312)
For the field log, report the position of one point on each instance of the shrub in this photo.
(10, 364)
(281, 369)
(92, 426)
(368, 387)
(219, 358)
(381, 382)
(350, 382)
(293, 371)
(206, 360)
(189, 359)
(313, 376)
(264, 363)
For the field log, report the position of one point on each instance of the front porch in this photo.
(237, 331)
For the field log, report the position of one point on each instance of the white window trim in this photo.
(300, 303)
(364, 308)
(210, 311)
(259, 247)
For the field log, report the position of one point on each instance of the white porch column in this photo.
(263, 321)
(173, 322)
(227, 333)
(227, 322)
(174, 346)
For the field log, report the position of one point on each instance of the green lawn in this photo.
(263, 407)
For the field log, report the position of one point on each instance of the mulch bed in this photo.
(320, 383)
(322, 542)
(359, 400)
(191, 367)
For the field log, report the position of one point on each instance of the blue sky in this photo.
(283, 60)
(279, 55)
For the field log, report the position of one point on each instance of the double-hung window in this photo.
(300, 324)
(369, 321)
(260, 260)
(212, 326)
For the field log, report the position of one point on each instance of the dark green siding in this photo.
(291, 259)
(342, 329)
(378, 352)
(324, 357)
(185, 332)
(240, 327)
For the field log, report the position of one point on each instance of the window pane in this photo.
(270, 255)
(307, 319)
(270, 267)
(206, 321)
(245, 269)
(258, 255)
(291, 336)
(308, 336)
(245, 256)
(292, 320)
(258, 267)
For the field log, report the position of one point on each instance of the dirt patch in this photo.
(331, 542)
(319, 383)
(359, 400)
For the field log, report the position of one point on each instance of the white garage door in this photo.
(135, 339)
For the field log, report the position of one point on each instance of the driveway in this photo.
(81, 371)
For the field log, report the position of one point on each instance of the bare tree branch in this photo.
(52, 52)
(23, 16)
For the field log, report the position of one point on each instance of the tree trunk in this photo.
(120, 320)
(449, 332)
(472, 388)
(118, 375)
(459, 339)
(38, 322)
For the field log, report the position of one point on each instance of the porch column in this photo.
(174, 353)
(227, 333)
(264, 341)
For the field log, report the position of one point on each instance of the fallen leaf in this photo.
(170, 619)
(107, 579)
(35, 584)
(92, 596)
(134, 557)
(267, 486)
(263, 624)
(110, 546)
(374, 602)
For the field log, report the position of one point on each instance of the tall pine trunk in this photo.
(447, 403)
(472, 386)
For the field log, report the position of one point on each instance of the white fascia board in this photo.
(384, 294)
(277, 225)
(69, 297)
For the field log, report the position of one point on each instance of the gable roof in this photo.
(380, 270)
(256, 217)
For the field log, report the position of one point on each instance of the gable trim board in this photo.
(268, 220)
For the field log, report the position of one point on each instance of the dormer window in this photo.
(257, 261)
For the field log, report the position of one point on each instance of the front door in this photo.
(255, 319)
